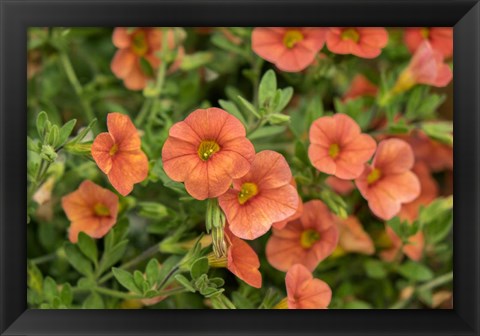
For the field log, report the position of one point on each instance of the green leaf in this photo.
(217, 282)
(248, 106)
(196, 60)
(83, 133)
(266, 131)
(77, 260)
(267, 89)
(146, 67)
(66, 295)
(49, 289)
(439, 131)
(33, 145)
(139, 280)
(93, 301)
(126, 280)
(285, 96)
(233, 110)
(185, 282)
(199, 267)
(375, 269)
(88, 246)
(278, 118)
(112, 256)
(65, 131)
(426, 296)
(35, 278)
(415, 271)
(42, 119)
(152, 271)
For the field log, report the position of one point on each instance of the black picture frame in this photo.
(17, 15)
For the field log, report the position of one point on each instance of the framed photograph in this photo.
(240, 167)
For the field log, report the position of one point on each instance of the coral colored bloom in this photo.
(133, 47)
(389, 182)
(440, 38)
(304, 291)
(242, 260)
(359, 87)
(307, 240)
(425, 67)
(361, 42)
(118, 153)
(290, 49)
(207, 151)
(260, 198)
(342, 187)
(91, 209)
(353, 237)
(337, 146)
(280, 225)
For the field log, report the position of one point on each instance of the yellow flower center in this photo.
(139, 43)
(333, 151)
(350, 34)
(283, 304)
(425, 32)
(101, 210)
(248, 191)
(308, 238)
(113, 150)
(374, 175)
(292, 37)
(207, 148)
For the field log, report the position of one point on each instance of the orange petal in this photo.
(123, 63)
(305, 292)
(101, 147)
(243, 262)
(393, 156)
(135, 79)
(353, 237)
(124, 133)
(121, 38)
(128, 168)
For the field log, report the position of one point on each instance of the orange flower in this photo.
(361, 42)
(413, 250)
(280, 225)
(353, 237)
(342, 187)
(207, 151)
(305, 292)
(307, 240)
(338, 148)
(91, 209)
(388, 182)
(135, 46)
(440, 38)
(118, 153)
(426, 67)
(290, 49)
(359, 87)
(260, 198)
(242, 260)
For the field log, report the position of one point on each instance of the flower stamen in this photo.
(113, 150)
(374, 176)
(248, 191)
(207, 148)
(292, 37)
(333, 151)
(308, 238)
(350, 34)
(101, 210)
(139, 43)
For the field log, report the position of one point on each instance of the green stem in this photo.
(168, 276)
(77, 86)
(441, 280)
(44, 258)
(117, 294)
